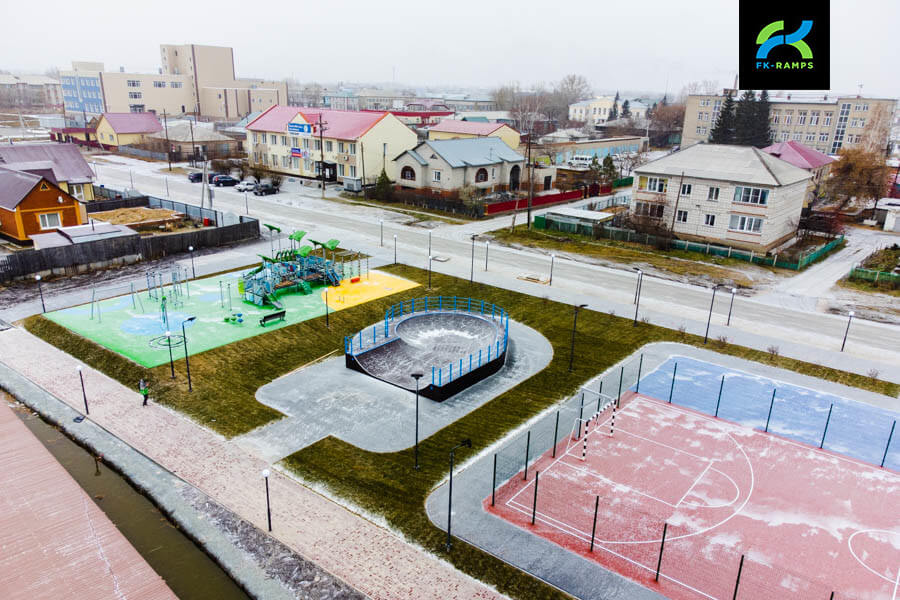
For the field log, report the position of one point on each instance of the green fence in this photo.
(624, 181)
(551, 223)
(875, 276)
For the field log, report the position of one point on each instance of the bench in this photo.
(274, 316)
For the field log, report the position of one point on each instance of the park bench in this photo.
(274, 316)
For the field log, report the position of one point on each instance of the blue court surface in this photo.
(855, 429)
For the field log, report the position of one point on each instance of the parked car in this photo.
(211, 176)
(246, 186)
(195, 177)
(226, 180)
(264, 189)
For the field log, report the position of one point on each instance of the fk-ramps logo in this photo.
(784, 45)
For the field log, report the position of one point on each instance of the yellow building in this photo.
(450, 129)
(125, 129)
(288, 139)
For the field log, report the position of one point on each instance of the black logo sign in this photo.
(785, 45)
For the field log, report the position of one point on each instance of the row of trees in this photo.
(552, 101)
(745, 122)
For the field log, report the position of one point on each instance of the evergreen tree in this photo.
(723, 131)
(613, 112)
(383, 188)
(626, 110)
(763, 133)
(745, 120)
(651, 110)
(609, 173)
(664, 101)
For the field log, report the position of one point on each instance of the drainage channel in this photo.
(189, 572)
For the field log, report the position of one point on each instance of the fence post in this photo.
(594, 528)
(637, 387)
(494, 480)
(719, 399)
(537, 475)
(580, 415)
(556, 432)
(621, 376)
(828, 420)
(527, 448)
(672, 387)
(600, 396)
(737, 583)
(661, 546)
(771, 404)
(891, 435)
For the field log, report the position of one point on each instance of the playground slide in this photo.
(274, 301)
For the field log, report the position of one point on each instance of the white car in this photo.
(246, 186)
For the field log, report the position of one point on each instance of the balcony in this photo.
(648, 196)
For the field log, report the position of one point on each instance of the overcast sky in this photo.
(615, 44)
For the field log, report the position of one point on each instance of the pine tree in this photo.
(651, 110)
(664, 101)
(609, 173)
(723, 131)
(626, 110)
(613, 112)
(383, 188)
(763, 133)
(745, 121)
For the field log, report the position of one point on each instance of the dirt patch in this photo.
(131, 216)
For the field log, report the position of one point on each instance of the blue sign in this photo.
(299, 128)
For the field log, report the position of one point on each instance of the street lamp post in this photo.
(468, 444)
(709, 318)
(326, 309)
(637, 296)
(171, 360)
(429, 242)
(395, 248)
(730, 306)
(417, 376)
(193, 270)
(381, 222)
(487, 248)
(41, 292)
(552, 260)
(472, 272)
(83, 393)
(265, 475)
(846, 331)
(574, 325)
(429, 270)
(187, 362)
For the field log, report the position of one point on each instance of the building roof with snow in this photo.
(339, 124)
(799, 155)
(467, 152)
(740, 164)
(467, 127)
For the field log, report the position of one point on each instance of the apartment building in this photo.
(450, 129)
(737, 196)
(33, 92)
(824, 122)
(597, 110)
(192, 79)
(288, 140)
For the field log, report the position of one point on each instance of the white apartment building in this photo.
(821, 121)
(736, 196)
(597, 110)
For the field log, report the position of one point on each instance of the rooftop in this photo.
(125, 123)
(466, 127)
(67, 162)
(181, 131)
(14, 186)
(743, 164)
(339, 124)
(471, 152)
(798, 154)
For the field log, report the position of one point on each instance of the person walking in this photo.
(145, 390)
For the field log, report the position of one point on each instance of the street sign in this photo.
(300, 128)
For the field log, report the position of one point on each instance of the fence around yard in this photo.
(627, 235)
(228, 229)
(874, 276)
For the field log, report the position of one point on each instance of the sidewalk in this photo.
(368, 557)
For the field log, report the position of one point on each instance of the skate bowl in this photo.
(454, 342)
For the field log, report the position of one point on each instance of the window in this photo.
(295, 162)
(709, 220)
(159, 84)
(704, 102)
(801, 117)
(865, 107)
(493, 173)
(787, 117)
(701, 130)
(811, 136)
(785, 135)
(700, 116)
(409, 174)
(284, 140)
(274, 160)
(352, 170)
(265, 159)
(135, 108)
(255, 138)
(713, 194)
(306, 143)
(329, 146)
(681, 216)
(814, 117)
(135, 95)
(744, 223)
(295, 142)
(481, 176)
(798, 136)
(649, 209)
(776, 116)
(854, 122)
(653, 184)
(341, 170)
(273, 139)
(134, 83)
(317, 145)
(748, 195)
(862, 122)
(435, 176)
(686, 189)
(77, 190)
(352, 149)
(828, 118)
(341, 147)
(823, 137)
(49, 220)
(307, 165)
(174, 84)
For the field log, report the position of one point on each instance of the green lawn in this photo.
(227, 378)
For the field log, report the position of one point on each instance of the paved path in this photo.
(56, 542)
(368, 557)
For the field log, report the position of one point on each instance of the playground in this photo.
(715, 494)
(215, 311)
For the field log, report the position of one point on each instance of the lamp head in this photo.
(416, 376)
(37, 277)
(265, 473)
(189, 319)
(851, 313)
(190, 248)
(734, 290)
(582, 306)
(467, 443)
(168, 334)
(78, 368)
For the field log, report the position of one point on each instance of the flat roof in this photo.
(581, 214)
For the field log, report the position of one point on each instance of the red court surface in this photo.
(808, 522)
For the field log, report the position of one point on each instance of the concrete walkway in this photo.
(369, 558)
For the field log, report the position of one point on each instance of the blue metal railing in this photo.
(378, 335)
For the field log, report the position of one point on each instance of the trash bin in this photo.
(206, 221)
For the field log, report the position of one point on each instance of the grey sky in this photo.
(615, 44)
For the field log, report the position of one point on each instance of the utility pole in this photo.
(322, 152)
(193, 149)
(168, 145)
(362, 156)
(530, 180)
(677, 196)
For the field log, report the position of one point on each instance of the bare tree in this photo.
(690, 89)
(631, 161)
(710, 86)
(568, 90)
(527, 108)
(311, 94)
(668, 118)
(876, 132)
(505, 96)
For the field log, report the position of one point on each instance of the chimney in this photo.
(121, 69)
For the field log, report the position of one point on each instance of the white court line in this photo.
(896, 584)
(860, 561)
(696, 481)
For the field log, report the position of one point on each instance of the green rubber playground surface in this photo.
(133, 325)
